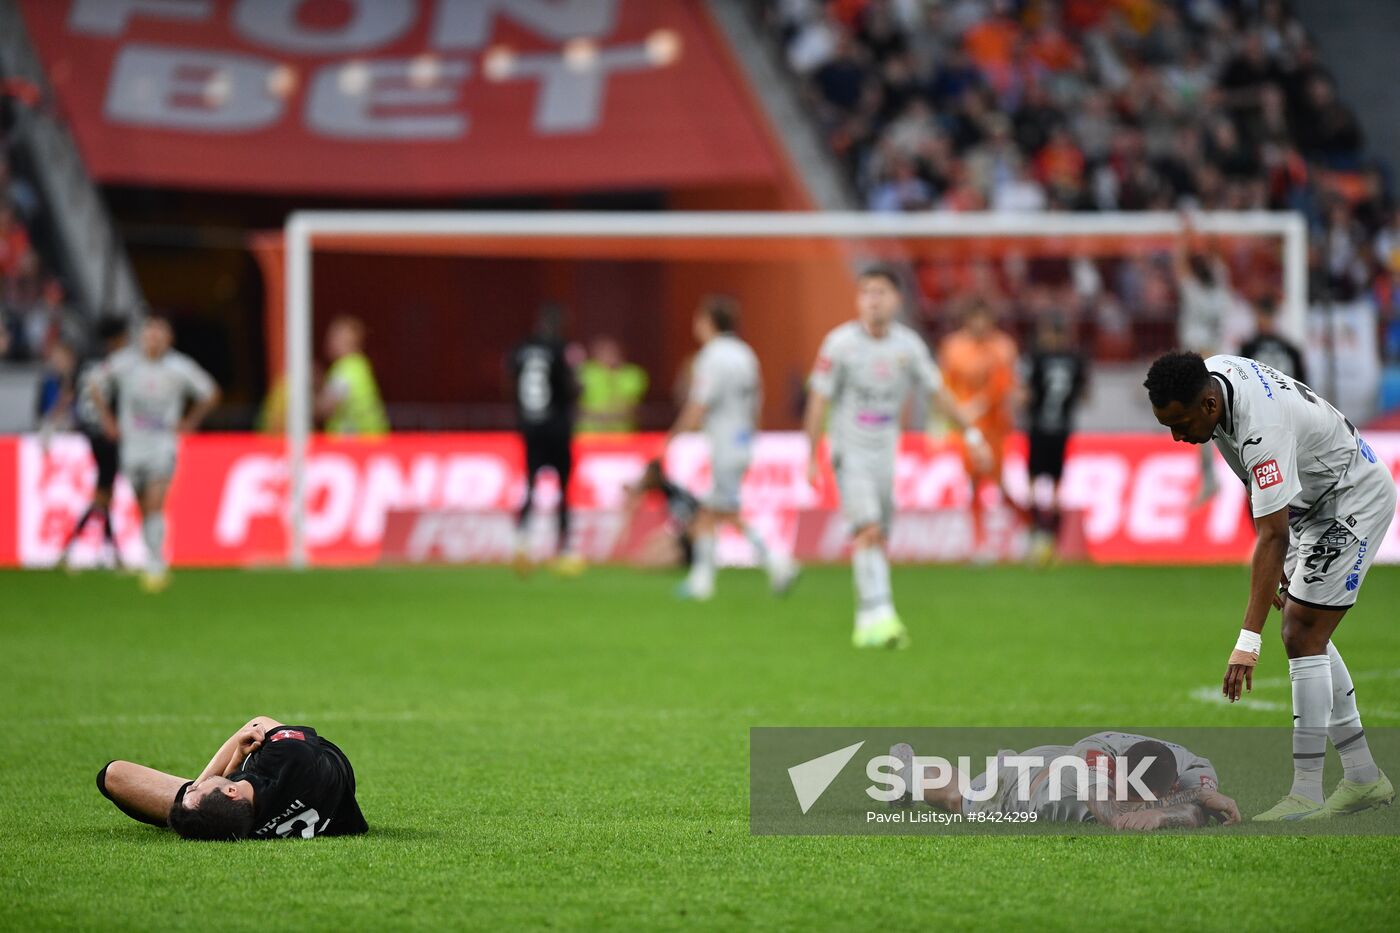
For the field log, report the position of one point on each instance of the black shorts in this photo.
(548, 445)
(348, 820)
(1047, 457)
(104, 451)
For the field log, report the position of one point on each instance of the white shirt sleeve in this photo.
(197, 382)
(703, 381)
(826, 371)
(930, 378)
(1272, 465)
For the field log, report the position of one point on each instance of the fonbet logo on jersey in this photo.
(1268, 474)
(1068, 777)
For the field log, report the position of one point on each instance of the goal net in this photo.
(462, 285)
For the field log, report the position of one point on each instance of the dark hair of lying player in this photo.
(1160, 776)
(652, 476)
(212, 809)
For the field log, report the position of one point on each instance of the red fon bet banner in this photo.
(419, 97)
(228, 502)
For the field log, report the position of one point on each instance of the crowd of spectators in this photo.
(1083, 105)
(34, 312)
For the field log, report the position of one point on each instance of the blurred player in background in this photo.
(866, 371)
(111, 334)
(1055, 384)
(979, 367)
(1203, 282)
(1322, 503)
(1183, 785)
(545, 397)
(681, 508)
(1269, 346)
(726, 394)
(152, 384)
(349, 400)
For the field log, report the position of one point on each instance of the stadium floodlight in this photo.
(304, 228)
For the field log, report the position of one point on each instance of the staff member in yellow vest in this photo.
(349, 400)
(611, 390)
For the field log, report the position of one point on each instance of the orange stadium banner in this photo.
(412, 97)
(450, 497)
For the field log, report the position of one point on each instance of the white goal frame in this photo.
(303, 227)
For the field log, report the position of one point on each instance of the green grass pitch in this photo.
(573, 753)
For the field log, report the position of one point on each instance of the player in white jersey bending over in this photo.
(1321, 504)
(865, 372)
(1183, 785)
(152, 384)
(726, 394)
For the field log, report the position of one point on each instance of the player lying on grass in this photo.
(681, 509)
(1184, 786)
(1322, 504)
(268, 781)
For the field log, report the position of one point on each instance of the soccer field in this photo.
(573, 753)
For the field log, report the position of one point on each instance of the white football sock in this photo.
(760, 548)
(701, 581)
(153, 533)
(1312, 708)
(1344, 728)
(872, 578)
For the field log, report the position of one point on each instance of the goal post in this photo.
(305, 230)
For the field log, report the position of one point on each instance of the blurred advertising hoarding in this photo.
(1132, 494)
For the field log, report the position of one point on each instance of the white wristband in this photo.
(1249, 642)
(973, 436)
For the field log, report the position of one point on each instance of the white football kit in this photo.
(1066, 805)
(151, 397)
(725, 379)
(1293, 450)
(868, 380)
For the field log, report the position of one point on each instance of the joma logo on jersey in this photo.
(1268, 474)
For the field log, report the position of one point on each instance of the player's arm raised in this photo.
(240, 745)
(1266, 569)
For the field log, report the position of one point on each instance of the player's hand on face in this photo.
(1219, 806)
(1238, 678)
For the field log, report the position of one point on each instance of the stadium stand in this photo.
(1018, 105)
